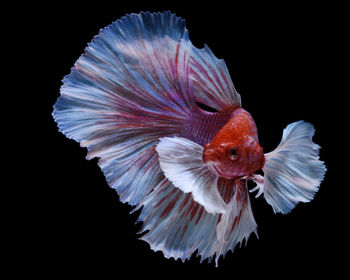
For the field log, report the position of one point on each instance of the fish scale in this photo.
(201, 126)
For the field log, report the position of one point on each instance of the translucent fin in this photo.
(178, 226)
(211, 80)
(129, 88)
(293, 171)
(175, 224)
(182, 163)
(236, 224)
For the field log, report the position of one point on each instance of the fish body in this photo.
(132, 99)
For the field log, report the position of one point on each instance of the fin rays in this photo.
(293, 171)
(179, 226)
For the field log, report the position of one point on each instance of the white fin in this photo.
(293, 171)
(182, 163)
(178, 226)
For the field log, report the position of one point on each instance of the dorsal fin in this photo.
(212, 84)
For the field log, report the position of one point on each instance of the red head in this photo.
(235, 151)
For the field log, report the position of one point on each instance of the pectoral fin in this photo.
(293, 171)
(182, 163)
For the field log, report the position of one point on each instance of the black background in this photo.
(280, 59)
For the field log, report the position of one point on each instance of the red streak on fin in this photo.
(164, 198)
(177, 56)
(215, 76)
(224, 77)
(219, 219)
(205, 73)
(188, 209)
(199, 215)
(170, 206)
(236, 221)
(183, 231)
(194, 211)
(188, 196)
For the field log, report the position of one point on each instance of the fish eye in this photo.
(233, 152)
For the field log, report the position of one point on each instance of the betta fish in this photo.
(135, 100)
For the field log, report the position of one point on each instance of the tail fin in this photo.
(130, 88)
(293, 171)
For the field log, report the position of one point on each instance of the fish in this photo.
(136, 100)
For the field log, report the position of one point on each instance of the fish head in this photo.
(234, 159)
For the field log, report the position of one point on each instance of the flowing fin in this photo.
(182, 163)
(178, 226)
(129, 88)
(134, 84)
(175, 224)
(293, 171)
(236, 224)
(211, 80)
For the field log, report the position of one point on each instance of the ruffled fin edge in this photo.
(293, 171)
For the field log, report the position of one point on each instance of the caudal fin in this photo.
(129, 88)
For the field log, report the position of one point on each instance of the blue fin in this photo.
(178, 226)
(211, 80)
(129, 88)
